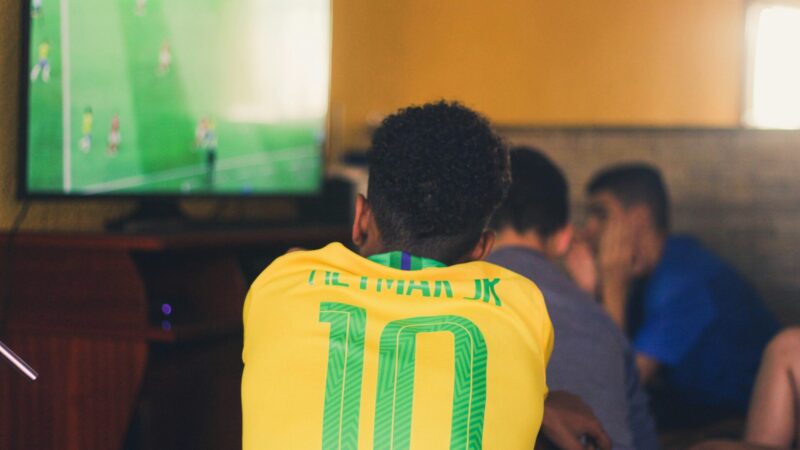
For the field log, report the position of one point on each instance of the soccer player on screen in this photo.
(164, 58)
(36, 8)
(205, 135)
(141, 7)
(411, 341)
(114, 136)
(43, 65)
(86, 130)
(200, 132)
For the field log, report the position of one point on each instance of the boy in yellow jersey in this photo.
(43, 64)
(412, 342)
(86, 130)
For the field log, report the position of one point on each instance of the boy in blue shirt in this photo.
(697, 326)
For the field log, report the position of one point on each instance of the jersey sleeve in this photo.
(549, 340)
(541, 326)
(673, 323)
(548, 351)
(252, 296)
(245, 313)
(544, 324)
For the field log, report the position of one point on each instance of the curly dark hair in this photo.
(539, 195)
(437, 173)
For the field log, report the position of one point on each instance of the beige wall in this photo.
(630, 62)
(519, 61)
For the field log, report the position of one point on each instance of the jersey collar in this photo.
(404, 261)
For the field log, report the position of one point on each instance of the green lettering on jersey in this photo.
(484, 290)
(395, 392)
(335, 280)
(438, 285)
(311, 277)
(478, 291)
(423, 286)
(489, 293)
(343, 379)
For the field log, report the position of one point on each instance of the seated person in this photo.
(774, 416)
(692, 319)
(591, 357)
(412, 341)
(773, 421)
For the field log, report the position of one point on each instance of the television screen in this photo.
(175, 97)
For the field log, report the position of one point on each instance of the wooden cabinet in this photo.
(137, 338)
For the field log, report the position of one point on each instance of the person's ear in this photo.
(559, 242)
(361, 220)
(483, 247)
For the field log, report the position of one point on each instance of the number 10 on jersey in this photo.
(395, 391)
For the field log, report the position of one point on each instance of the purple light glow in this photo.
(166, 325)
(166, 308)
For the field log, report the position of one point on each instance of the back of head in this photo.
(635, 184)
(538, 198)
(437, 173)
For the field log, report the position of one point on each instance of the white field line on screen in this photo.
(66, 98)
(253, 160)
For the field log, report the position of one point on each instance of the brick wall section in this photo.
(736, 190)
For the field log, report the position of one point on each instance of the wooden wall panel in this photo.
(75, 403)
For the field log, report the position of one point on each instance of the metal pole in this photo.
(18, 362)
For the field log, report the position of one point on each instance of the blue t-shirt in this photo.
(703, 323)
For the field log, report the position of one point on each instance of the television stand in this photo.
(331, 208)
(151, 215)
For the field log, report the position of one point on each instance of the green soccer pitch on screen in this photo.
(175, 97)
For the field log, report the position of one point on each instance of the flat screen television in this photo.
(173, 98)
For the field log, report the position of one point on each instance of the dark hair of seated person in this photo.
(634, 184)
(538, 198)
(437, 173)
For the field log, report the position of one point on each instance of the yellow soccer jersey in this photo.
(86, 126)
(44, 50)
(343, 352)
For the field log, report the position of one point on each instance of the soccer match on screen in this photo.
(176, 97)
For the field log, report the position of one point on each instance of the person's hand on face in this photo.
(610, 231)
(615, 232)
(616, 250)
(579, 263)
